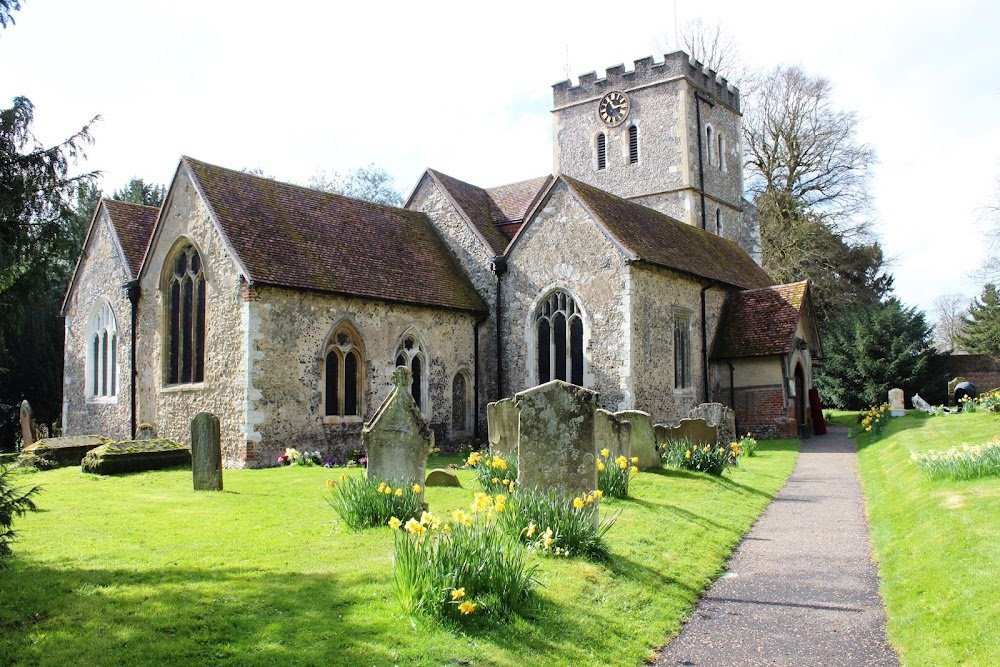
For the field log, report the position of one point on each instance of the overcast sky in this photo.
(303, 85)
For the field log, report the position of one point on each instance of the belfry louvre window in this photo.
(410, 355)
(633, 144)
(186, 318)
(682, 351)
(344, 370)
(102, 353)
(602, 152)
(559, 336)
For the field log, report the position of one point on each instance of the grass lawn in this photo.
(141, 570)
(937, 543)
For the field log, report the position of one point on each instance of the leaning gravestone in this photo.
(920, 404)
(397, 438)
(896, 407)
(501, 422)
(29, 430)
(206, 452)
(613, 434)
(442, 477)
(720, 416)
(556, 449)
(697, 432)
(643, 440)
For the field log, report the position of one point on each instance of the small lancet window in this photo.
(602, 152)
(410, 355)
(343, 373)
(559, 339)
(682, 351)
(633, 144)
(718, 221)
(102, 353)
(709, 144)
(722, 152)
(459, 404)
(185, 315)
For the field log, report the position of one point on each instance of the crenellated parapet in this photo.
(646, 72)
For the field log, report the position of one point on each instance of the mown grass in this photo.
(141, 570)
(937, 542)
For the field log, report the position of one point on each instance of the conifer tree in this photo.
(982, 324)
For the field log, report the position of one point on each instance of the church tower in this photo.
(666, 135)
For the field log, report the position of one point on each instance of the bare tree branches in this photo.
(711, 45)
(949, 313)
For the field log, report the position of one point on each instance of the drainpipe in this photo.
(132, 292)
(704, 341)
(701, 158)
(475, 372)
(732, 392)
(499, 269)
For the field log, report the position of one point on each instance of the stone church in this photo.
(284, 310)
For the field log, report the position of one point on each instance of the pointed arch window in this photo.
(559, 339)
(709, 144)
(602, 152)
(185, 317)
(343, 374)
(682, 351)
(722, 152)
(718, 221)
(460, 408)
(410, 354)
(633, 144)
(101, 374)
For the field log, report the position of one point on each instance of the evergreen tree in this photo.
(138, 191)
(981, 334)
(872, 348)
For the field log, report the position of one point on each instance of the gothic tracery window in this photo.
(102, 353)
(559, 339)
(185, 316)
(343, 373)
(410, 355)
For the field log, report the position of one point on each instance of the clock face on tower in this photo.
(613, 108)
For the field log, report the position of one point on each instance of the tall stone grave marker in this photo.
(501, 422)
(556, 448)
(206, 452)
(720, 416)
(397, 438)
(613, 434)
(896, 406)
(643, 441)
(29, 430)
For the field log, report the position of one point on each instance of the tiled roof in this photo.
(486, 208)
(134, 224)
(760, 322)
(295, 237)
(659, 239)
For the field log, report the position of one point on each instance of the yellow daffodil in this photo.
(381, 487)
(589, 499)
(510, 487)
(467, 607)
(605, 452)
(395, 523)
(495, 480)
(530, 530)
(342, 478)
(633, 470)
(330, 483)
(600, 466)
(415, 527)
(635, 459)
(458, 594)
(578, 503)
(598, 494)
(416, 488)
(426, 517)
(446, 528)
(399, 492)
(687, 454)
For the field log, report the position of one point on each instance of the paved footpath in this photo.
(801, 588)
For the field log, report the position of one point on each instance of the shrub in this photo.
(13, 503)
(461, 569)
(555, 524)
(613, 476)
(965, 463)
(495, 472)
(369, 502)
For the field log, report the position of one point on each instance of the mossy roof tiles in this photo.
(290, 236)
(658, 239)
(134, 225)
(760, 322)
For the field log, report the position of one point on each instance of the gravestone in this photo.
(643, 439)
(442, 477)
(662, 433)
(67, 450)
(720, 416)
(613, 434)
(697, 432)
(206, 452)
(556, 449)
(135, 456)
(501, 423)
(29, 430)
(896, 407)
(145, 432)
(920, 404)
(397, 438)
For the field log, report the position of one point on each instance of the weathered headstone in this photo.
(613, 434)
(556, 448)
(206, 452)
(29, 430)
(501, 422)
(720, 416)
(643, 439)
(662, 433)
(67, 450)
(697, 432)
(397, 438)
(442, 477)
(896, 407)
(135, 456)
(920, 404)
(145, 432)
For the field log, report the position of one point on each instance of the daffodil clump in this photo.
(747, 445)
(557, 525)
(873, 420)
(969, 462)
(613, 475)
(462, 568)
(495, 472)
(369, 502)
(713, 459)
